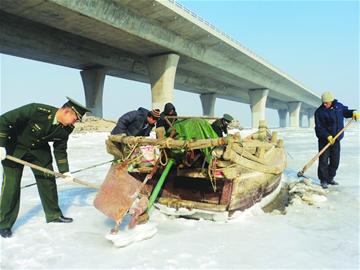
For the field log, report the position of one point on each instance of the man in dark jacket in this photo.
(137, 123)
(169, 110)
(329, 120)
(24, 134)
(220, 126)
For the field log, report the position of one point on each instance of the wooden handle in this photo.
(191, 117)
(308, 165)
(57, 174)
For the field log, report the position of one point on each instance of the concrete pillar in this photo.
(282, 117)
(162, 70)
(311, 118)
(294, 113)
(258, 99)
(93, 81)
(301, 118)
(208, 103)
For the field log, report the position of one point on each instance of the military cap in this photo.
(79, 109)
(228, 117)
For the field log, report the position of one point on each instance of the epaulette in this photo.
(43, 109)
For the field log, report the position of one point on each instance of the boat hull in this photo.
(191, 193)
(210, 174)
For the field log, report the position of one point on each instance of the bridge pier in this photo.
(294, 111)
(162, 70)
(301, 118)
(311, 118)
(258, 99)
(93, 81)
(208, 103)
(282, 117)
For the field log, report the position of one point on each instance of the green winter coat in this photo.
(29, 129)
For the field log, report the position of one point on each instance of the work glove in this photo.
(356, 115)
(330, 139)
(2, 153)
(69, 178)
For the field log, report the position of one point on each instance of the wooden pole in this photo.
(191, 117)
(80, 170)
(308, 165)
(171, 143)
(57, 174)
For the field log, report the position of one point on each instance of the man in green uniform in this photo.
(220, 126)
(25, 133)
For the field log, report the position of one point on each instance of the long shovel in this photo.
(311, 162)
(57, 174)
(80, 170)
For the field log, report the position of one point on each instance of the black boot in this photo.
(6, 233)
(332, 182)
(324, 184)
(62, 219)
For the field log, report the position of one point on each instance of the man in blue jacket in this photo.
(137, 123)
(329, 120)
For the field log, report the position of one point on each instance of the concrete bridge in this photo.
(151, 41)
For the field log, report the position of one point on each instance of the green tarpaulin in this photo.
(195, 129)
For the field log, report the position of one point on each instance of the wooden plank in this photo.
(226, 193)
(172, 202)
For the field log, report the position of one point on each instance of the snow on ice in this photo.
(323, 235)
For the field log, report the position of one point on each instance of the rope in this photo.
(167, 142)
(135, 159)
(211, 174)
(163, 154)
(132, 151)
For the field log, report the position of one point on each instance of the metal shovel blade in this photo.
(116, 194)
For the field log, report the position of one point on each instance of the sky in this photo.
(314, 42)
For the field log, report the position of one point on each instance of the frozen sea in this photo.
(321, 236)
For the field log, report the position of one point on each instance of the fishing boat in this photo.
(211, 177)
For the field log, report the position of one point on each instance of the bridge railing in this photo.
(211, 26)
(249, 52)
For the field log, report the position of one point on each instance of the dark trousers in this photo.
(10, 193)
(328, 161)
